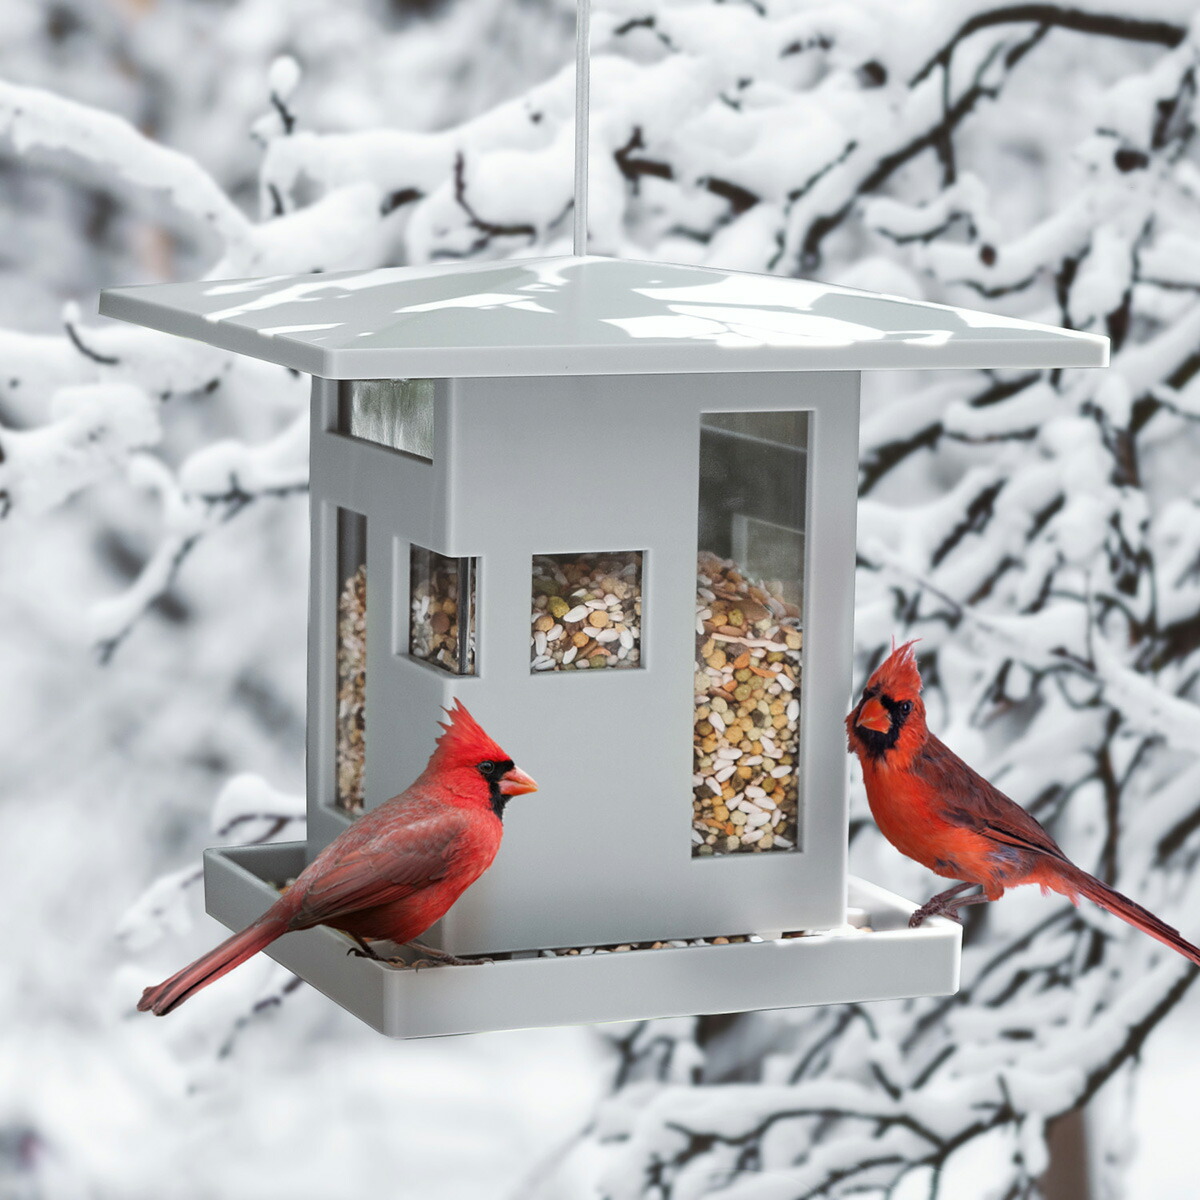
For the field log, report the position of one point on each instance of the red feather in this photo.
(934, 808)
(463, 742)
(391, 874)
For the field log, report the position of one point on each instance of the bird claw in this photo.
(432, 958)
(930, 910)
(435, 957)
(379, 958)
(925, 912)
(450, 960)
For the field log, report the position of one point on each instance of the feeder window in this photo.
(442, 608)
(749, 601)
(397, 413)
(351, 658)
(586, 611)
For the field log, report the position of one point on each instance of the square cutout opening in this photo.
(442, 610)
(586, 611)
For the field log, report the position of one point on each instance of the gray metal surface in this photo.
(891, 962)
(602, 853)
(585, 315)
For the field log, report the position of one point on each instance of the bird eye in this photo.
(905, 707)
(486, 768)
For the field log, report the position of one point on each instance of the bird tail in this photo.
(229, 954)
(1079, 881)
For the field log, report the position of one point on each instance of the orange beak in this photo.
(874, 716)
(516, 783)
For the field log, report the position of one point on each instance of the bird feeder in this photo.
(610, 506)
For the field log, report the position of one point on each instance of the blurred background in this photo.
(1039, 531)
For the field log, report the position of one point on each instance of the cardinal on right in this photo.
(934, 808)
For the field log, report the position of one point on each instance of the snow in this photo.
(93, 428)
(33, 119)
(283, 77)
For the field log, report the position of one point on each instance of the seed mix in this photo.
(747, 714)
(586, 611)
(351, 690)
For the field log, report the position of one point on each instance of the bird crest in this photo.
(897, 676)
(463, 742)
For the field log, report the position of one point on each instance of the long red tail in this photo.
(229, 954)
(1078, 880)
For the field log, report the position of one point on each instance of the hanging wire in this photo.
(582, 92)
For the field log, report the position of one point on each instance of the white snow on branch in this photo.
(1142, 703)
(212, 486)
(250, 798)
(31, 118)
(92, 431)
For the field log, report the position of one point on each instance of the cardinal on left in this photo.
(395, 871)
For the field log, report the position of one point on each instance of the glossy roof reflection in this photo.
(589, 315)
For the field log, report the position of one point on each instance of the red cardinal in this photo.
(931, 806)
(392, 873)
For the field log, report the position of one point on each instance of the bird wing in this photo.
(385, 856)
(969, 801)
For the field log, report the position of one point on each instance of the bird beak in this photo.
(516, 783)
(874, 716)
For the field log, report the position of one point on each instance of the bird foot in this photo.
(365, 951)
(919, 918)
(451, 961)
(946, 904)
(930, 909)
(430, 957)
(397, 961)
(433, 957)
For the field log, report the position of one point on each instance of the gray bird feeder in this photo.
(609, 505)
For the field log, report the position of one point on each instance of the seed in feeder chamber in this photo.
(748, 668)
(350, 659)
(586, 611)
(441, 591)
(351, 689)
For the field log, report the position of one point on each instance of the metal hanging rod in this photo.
(582, 90)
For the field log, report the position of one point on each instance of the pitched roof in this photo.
(583, 316)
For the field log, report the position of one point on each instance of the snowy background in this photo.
(1040, 532)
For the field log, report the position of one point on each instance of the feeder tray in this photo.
(885, 961)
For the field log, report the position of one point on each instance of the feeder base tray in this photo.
(884, 961)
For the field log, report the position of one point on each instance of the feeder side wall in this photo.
(601, 854)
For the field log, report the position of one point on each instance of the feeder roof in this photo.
(583, 316)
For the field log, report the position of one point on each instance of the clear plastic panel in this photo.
(586, 611)
(351, 720)
(396, 413)
(749, 639)
(442, 606)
